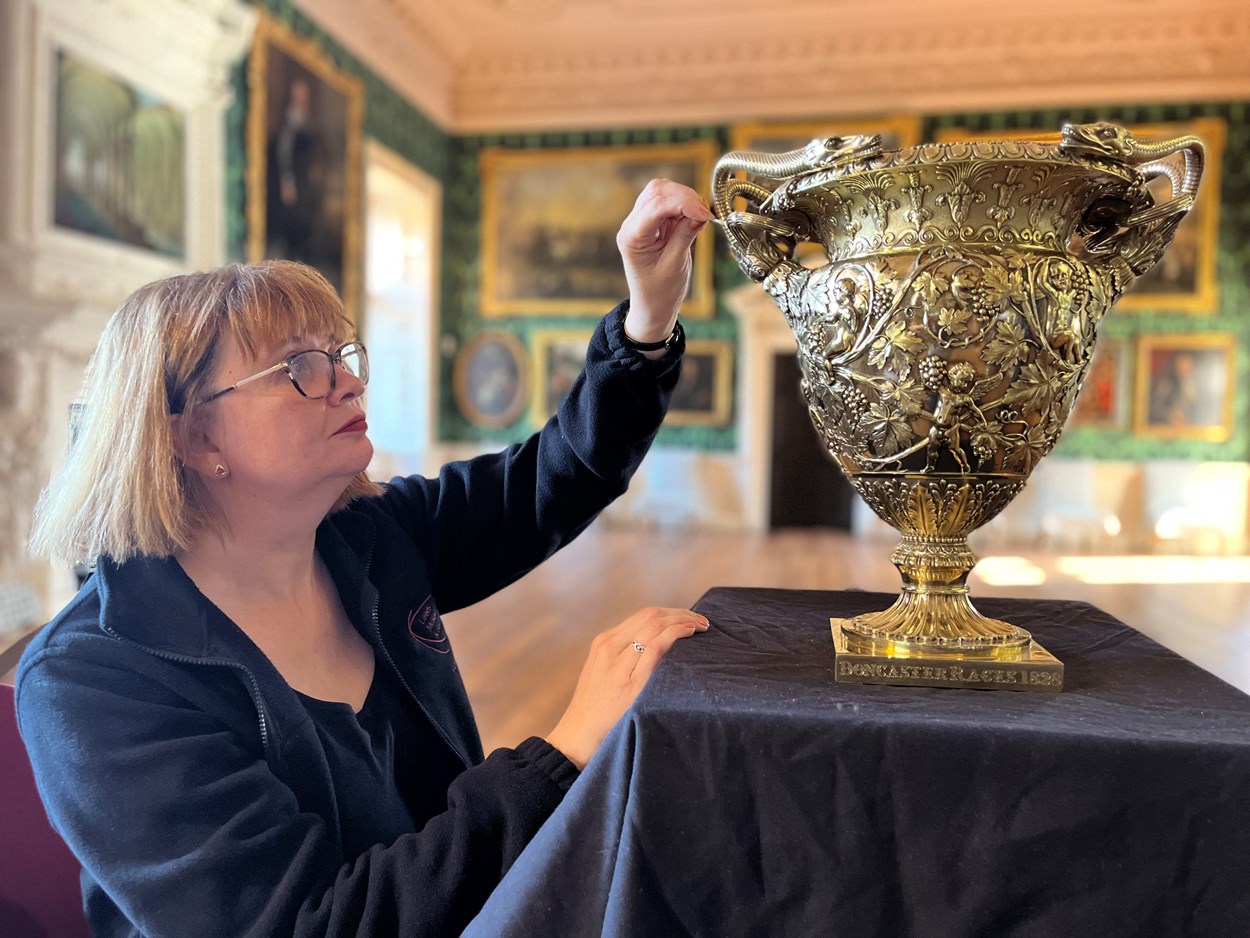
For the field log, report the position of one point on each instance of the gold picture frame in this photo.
(1185, 386)
(1186, 279)
(304, 166)
(704, 393)
(1106, 394)
(897, 131)
(549, 223)
(491, 378)
(559, 356)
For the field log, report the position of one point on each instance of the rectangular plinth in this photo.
(1036, 670)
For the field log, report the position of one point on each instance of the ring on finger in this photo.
(639, 647)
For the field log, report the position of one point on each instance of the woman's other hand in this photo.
(621, 661)
(654, 242)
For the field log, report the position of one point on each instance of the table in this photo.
(747, 793)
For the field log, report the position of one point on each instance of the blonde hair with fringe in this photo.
(122, 490)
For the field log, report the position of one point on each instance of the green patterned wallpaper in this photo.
(393, 122)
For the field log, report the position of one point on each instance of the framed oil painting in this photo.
(704, 393)
(559, 356)
(1107, 392)
(120, 169)
(1185, 386)
(549, 223)
(303, 158)
(490, 379)
(1185, 280)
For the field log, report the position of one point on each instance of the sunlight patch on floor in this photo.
(1154, 569)
(1010, 571)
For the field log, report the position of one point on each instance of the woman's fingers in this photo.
(644, 625)
(650, 634)
(660, 209)
(659, 646)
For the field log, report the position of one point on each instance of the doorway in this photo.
(401, 312)
(807, 489)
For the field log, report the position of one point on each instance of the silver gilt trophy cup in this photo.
(943, 344)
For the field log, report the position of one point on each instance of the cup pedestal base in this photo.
(1030, 668)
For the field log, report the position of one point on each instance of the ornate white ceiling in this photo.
(485, 65)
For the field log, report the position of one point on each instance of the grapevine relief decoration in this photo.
(955, 360)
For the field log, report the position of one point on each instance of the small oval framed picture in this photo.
(491, 379)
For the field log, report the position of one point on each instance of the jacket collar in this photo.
(152, 601)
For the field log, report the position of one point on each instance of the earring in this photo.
(221, 471)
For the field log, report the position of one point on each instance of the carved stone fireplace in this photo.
(59, 286)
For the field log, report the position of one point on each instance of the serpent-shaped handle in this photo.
(763, 237)
(1184, 189)
(1110, 141)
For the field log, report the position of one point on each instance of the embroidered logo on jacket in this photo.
(426, 626)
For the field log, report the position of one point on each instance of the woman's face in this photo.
(279, 444)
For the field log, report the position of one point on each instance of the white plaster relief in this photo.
(57, 286)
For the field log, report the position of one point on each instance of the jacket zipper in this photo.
(377, 631)
(253, 685)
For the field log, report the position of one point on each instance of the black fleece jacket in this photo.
(185, 774)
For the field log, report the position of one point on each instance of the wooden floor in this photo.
(521, 650)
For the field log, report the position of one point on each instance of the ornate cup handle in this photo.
(754, 235)
(1183, 190)
(1112, 142)
(767, 223)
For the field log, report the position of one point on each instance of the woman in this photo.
(249, 720)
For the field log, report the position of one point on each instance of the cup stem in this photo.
(933, 614)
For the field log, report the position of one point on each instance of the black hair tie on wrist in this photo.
(667, 343)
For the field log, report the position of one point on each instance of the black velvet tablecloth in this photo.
(747, 793)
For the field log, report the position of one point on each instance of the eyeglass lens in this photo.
(313, 371)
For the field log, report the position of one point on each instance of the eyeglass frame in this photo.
(336, 361)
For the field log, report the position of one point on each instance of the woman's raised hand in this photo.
(620, 662)
(654, 242)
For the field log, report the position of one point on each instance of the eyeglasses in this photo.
(313, 371)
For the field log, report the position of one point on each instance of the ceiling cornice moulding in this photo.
(479, 78)
(385, 35)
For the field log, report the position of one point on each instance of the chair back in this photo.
(40, 894)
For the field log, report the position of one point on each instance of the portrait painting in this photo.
(490, 379)
(304, 157)
(1185, 280)
(704, 392)
(559, 356)
(550, 218)
(120, 156)
(1185, 386)
(1105, 395)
